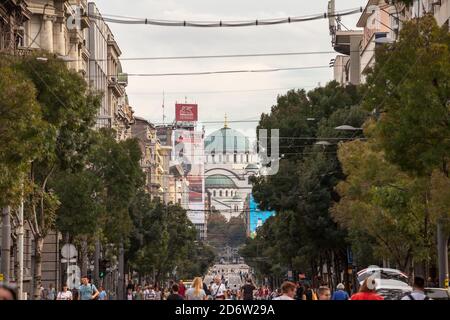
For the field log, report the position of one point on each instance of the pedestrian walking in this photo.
(130, 294)
(340, 293)
(247, 290)
(181, 288)
(196, 292)
(218, 289)
(174, 295)
(138, 294)
(418, 292)
(51, 292)
(324, 293)
(300, 291)
(288, 290)
(367, 291)
(64, 294)
(158, 293)
(87, 291)
(309, 293)
(149, 293)
(102, 295)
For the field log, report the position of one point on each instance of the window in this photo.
(213, 158)
(220, 193)
(226, 193)
(246, 156)
(235, 157)
(214, 193)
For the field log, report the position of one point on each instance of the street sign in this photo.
(290, 274)
(63, 260)
(68, 251)
(73, 277)
(349, 256)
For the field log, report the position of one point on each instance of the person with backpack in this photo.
(87, 291)
(418, 292)
(65, 294)
(218, 289)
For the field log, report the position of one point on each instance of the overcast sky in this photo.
(148, 41)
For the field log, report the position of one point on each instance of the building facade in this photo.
(380, 22)
(60, 27)
(230, 161)
(152, 161)
(14, 14)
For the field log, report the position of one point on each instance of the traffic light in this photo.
(102, 264)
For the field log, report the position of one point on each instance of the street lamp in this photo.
(323, 143)
(348, 128)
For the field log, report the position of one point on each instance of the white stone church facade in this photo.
(230, 160)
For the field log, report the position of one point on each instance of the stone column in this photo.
(47, 33)
(59, 32)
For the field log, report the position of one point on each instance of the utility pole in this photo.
(121, 284)
(442, 238)
(20, 245)
(96, 262)
(6, 244)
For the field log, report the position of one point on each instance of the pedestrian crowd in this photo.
(217, 290)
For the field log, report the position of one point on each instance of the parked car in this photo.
(391, 289)
(437, 293)
(382, 273)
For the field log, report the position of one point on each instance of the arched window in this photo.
(226, 193)
(220, 193)
(246, 157)
(235, 157)
(214, 193)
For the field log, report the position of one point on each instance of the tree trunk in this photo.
(39, 245)
(84, 257)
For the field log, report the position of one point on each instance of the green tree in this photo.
(409, 86)
(304, 234)
(380, 201)
(20, 134)
(164, 241)
(68, 111)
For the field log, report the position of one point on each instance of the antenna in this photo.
(163, 106)
(331, 16)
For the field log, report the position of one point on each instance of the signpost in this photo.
(70, 254)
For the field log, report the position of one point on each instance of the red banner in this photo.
(186, 112)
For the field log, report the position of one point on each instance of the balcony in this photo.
(117, 88)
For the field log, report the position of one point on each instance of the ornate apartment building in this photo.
(13, 15)
(380, 22)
